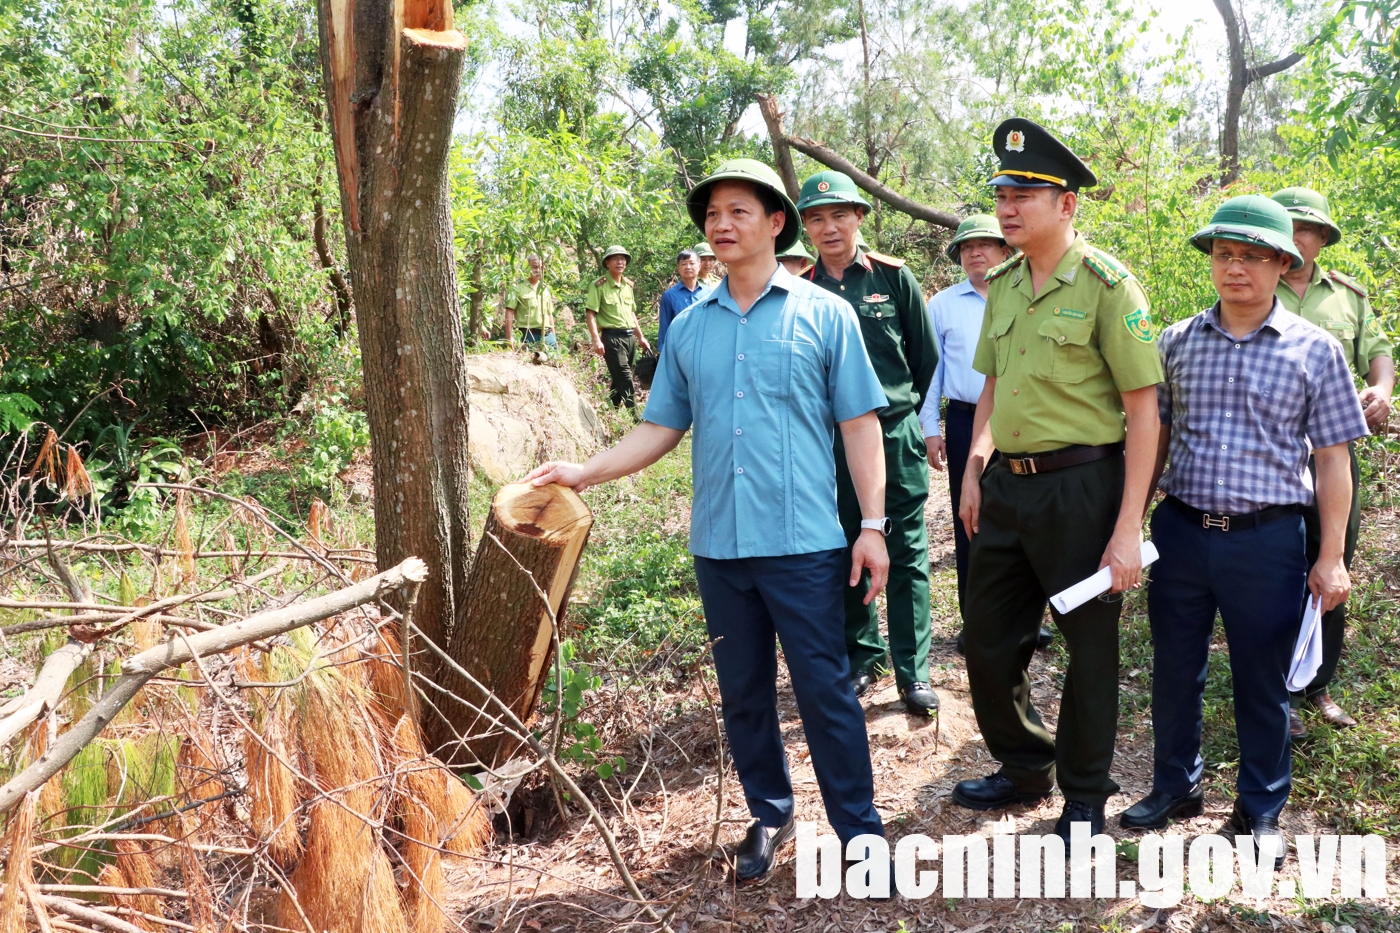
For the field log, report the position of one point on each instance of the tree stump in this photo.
(532, 543)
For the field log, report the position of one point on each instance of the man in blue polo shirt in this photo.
(765, 369)
(680, 296)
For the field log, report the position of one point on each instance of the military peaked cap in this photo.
(1031, 157)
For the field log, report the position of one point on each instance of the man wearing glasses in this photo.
(1248, 388)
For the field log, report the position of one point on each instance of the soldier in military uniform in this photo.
(1068, 350)
(1338, 304)
(612, 323)
(709, 265)
(795, 258)
(900, 342)
(530, 308)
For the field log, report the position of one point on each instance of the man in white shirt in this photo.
(956, 316)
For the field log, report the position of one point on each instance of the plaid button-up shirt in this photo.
(1244, 411)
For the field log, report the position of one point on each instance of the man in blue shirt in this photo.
(1249, 390)
(765, 369)
(682, 295)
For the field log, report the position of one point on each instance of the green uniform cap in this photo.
(1031, 157)
(755, 173)
(796, 251)
(1251, 218)
(976, 227)
(1307, 205)
(612, 251)
(829, 188)
(702, 249)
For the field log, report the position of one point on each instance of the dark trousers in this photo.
(1334, 623)
(1255, 578)
(1039, 534)
(619, 353)
(906, 595)
(749, 602)
(957, 435)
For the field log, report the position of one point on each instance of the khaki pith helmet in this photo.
(615, 250)
(702, 249)
(1308, 205)
(795, 251)
(976, 227)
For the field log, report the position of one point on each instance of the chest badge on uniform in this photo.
(1140, 325)
(875, 299)
(1074, 314)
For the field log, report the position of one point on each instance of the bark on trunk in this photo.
(1242, 75)
(534, 537)
(782, 152)
(392, 73)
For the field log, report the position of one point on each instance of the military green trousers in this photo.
(1039, 534)
(906, 595)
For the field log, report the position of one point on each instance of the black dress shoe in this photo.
(1260, 828)
(861, 682)
(993, 792)
(1158, 809)
(1077, 812)
(919, 698)
(1046, 639)
(755, 855)
(960, 646)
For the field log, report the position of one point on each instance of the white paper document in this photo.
(1307, 653)
(1067, 600)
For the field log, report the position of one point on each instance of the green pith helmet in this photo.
(612, 251)
(795, 251)
(976, 227)
(861, 245)
(829, 188)
(1254, 219)
(1307, 205)
(702, 249)
(755, 173)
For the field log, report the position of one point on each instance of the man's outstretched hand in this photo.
(561, 472)
(869, 554)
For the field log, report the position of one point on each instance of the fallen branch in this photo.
(833, 159)
(136, 671)
(349, 553)
(91, 915)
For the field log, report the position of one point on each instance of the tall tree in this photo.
(392, 70)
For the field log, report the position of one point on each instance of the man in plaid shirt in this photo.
(1250, 390)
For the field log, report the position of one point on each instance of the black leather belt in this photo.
(1027, 464)
(1228, 522)
(961, 405)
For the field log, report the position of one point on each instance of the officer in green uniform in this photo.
(900, 343)
(1068, 350)
(1338, 304)
(709, 274)
(795, 258)
(612, 323)
(530, 308)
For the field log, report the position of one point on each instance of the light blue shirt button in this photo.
(738, 430)
(741, 356)
(743, 320)
(739, 394)
(741, 470)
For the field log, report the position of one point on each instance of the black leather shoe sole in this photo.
(780, 838)
(861, 682)
(1184, 808)
(999, 804)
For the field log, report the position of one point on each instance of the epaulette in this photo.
(627, 281)
(1346, 281)
(1111, 271)
(600, 281)
(998, 271)
(885, 260)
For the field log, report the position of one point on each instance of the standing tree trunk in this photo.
(782, 152)
(1242, 75)
(534, 537)
(392, 70)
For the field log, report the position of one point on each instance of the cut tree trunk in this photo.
(528, 553)
(392, 74)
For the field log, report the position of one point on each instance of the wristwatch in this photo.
(882, 525)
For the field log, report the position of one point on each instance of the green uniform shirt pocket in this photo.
(1000, 333)
(1065, 354)
(773, 372)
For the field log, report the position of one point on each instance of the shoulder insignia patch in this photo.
(997, 272)
(885, 260)
(1111, 271)
(1347, 281)
(1139, 324)
(627, 281)
(598, 283)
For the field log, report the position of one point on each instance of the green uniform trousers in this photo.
(1334, 623)
(1038, 534)
(906, 595)
(619, 353)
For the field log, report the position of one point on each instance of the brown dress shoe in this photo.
(1296, 729)
(1331, 713)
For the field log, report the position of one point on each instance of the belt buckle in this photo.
(1023, 466)
(1223, 522)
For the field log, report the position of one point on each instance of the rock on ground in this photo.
(523, 413)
